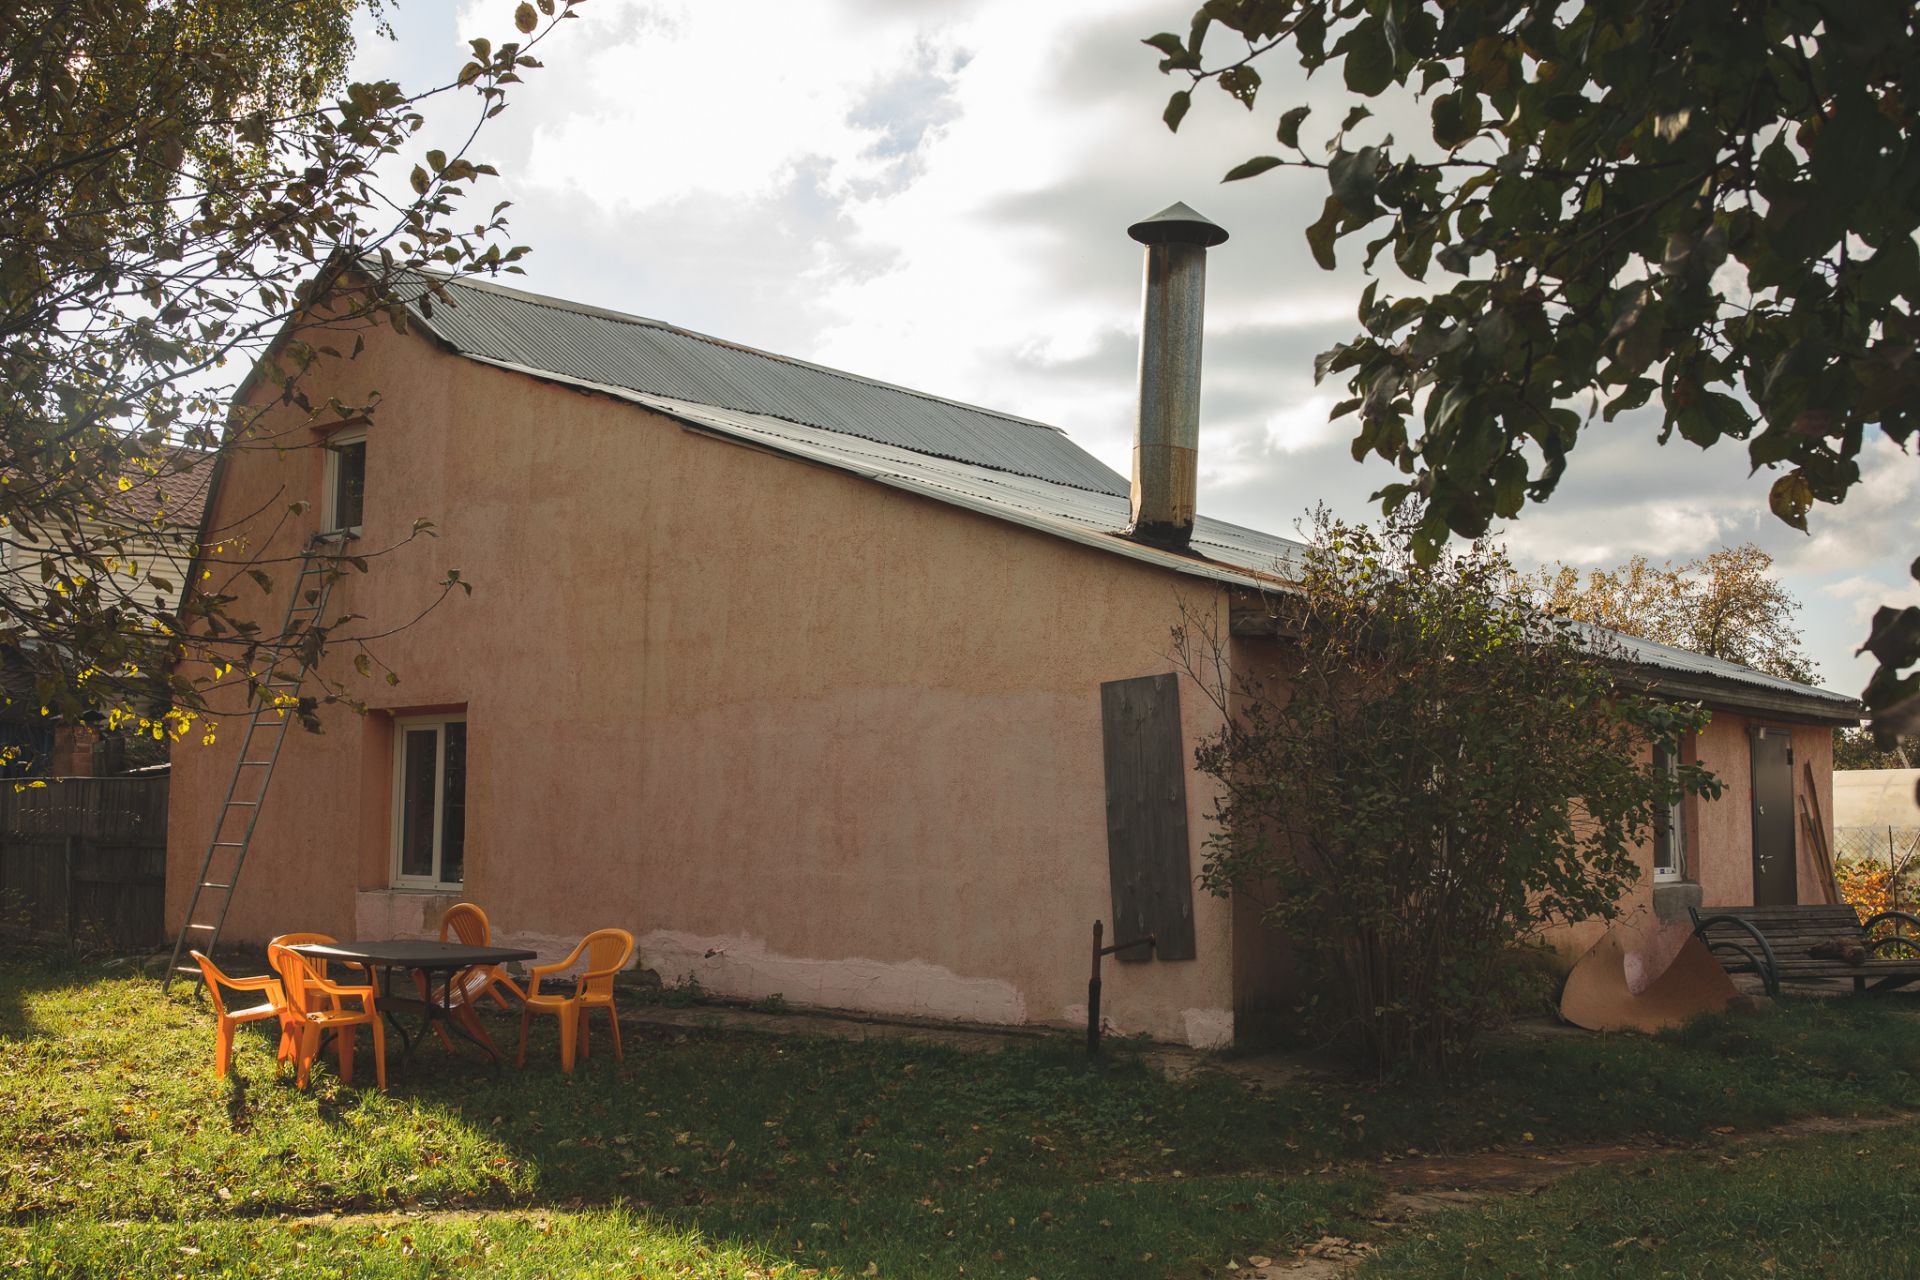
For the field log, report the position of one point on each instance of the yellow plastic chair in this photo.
(606, 952)
(275, 1007)
(311, 1019)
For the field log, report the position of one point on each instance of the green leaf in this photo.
(1456, 118)
(1322, 234)
(1368, 67)
(1352, 174)
(1177, 109)
(1243, 83)
(525, 18)
(1167, 43)
(436, 160)
(1636, 394)
(1791, 498)
(1251, 168)
(1895, 638)
(1288, 133)
(419, 180)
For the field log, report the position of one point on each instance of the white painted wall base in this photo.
(744, 968)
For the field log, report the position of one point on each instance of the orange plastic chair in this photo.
(318, 967)
(311, 1019)
(468, 923)
(607, 952)
(267, 985)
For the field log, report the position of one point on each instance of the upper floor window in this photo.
(346, 481)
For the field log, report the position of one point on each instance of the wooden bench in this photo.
(1774, 942)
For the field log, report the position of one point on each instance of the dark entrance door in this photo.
(1775, 874)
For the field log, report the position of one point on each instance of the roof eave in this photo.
(1735, 695)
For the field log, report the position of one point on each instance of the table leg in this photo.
(386, 996)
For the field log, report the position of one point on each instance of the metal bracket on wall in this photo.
(1093, 983)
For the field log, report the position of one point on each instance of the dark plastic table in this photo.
(425, 956)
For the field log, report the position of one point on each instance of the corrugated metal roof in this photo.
(1665, 657)
(609, 349)
(1003, 466)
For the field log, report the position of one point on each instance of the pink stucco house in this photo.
(820, 686)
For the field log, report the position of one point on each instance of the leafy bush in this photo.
(1434, 772)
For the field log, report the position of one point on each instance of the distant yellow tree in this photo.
(1725, 605)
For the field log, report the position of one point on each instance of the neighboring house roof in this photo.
(171, 496)
(155, 519)
(1006, 467)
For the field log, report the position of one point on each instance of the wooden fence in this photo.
(84, 860)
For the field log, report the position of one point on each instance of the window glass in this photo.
(453, 805)
(416, 802)
(349, 483)
(1669, 842)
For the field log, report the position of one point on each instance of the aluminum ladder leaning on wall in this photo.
(260, 745)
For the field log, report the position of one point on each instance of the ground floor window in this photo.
(1669, 827)
(430, 801)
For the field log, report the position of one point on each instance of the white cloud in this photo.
(1297, 427)
(727, 100)
(1879, 519)
(1863, 594)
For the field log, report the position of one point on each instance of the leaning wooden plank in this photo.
(1822, 862)
(1811, 797)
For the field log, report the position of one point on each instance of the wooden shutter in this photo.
(1147, 815)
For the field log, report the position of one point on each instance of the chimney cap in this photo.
(1179, 224)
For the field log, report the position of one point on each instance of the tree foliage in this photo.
(177, 182)
(1856, 749)
(1435, 772)
(1706, 207)
(1725, 605)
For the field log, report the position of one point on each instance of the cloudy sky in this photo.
(936, 194)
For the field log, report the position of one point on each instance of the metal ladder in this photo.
(260, 747)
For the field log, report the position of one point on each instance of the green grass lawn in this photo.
(711, 1153)
(1844, 1206)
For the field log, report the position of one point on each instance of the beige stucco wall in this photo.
(798, 732)
(1719, 832)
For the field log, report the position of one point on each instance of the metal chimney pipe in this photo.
(1166, 437)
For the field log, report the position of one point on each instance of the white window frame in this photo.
(1676, 829)
(329, 494)
(401, 726)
